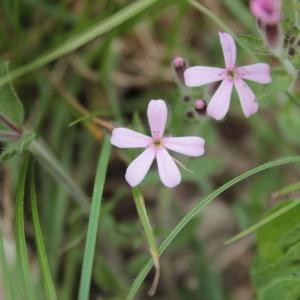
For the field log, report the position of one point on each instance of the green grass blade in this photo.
(81, 39)
(22, 254)
(142, 212)
(197, 208)
(220, 23)
(291, 188)
(45, 156)
(48, 281)
(263, 222)
(5, 271)
(89, 250)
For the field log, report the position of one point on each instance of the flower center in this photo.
(157, 143)
(231, 73)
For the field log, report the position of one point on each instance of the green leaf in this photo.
(89, 249)
(11, 109)
(284, 287)
(269, 218)
(288, 122)
(196, 209)
(255, 43)
(22, 254)
(13, 148)
(46, 273)
(280, 83)
(269, 236)
(277, 263)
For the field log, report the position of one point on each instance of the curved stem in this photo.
(140, 206)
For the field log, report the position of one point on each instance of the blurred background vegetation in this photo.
(112, 78)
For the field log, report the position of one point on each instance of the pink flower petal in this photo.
(167, 169)
(257, 72)
(247, 97)
(190, 145)
(219, 104)
(267, 11)
(197, 76)
(229, 49)
(157, 117)
(139, 167)
(126, 138)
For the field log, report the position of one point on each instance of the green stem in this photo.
(89, 249)
(197, 208)
(48, 281)
(141, 209)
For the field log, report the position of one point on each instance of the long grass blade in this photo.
(22, 254)
(291, 188)
(40, 150)
(89, 250)
(81, 39)
(197, 208)
(263, 222)
(48, 281)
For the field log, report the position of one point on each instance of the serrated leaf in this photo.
(13, 148)
(10, 105)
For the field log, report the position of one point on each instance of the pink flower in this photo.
(268, 15)
(230, 76)
(267, 12)
(156, 147)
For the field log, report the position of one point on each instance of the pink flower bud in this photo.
(200, 106)
(268, 12)
(179, 65)
(268, 15)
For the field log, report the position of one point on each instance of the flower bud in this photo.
(186, 98)
(189, 114)
(179, 65)
(268, 15)
(200, 106)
